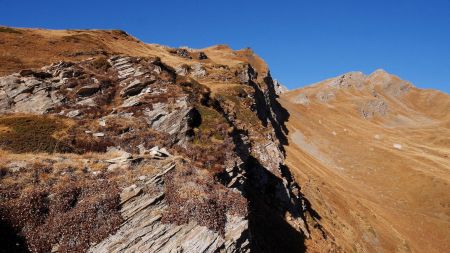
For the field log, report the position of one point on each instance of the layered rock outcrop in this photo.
(225, 189)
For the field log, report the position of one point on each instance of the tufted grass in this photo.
(29, 133)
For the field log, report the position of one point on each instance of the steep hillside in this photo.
(111, 145)
(372, 156)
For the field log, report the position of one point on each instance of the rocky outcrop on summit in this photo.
(376, 91)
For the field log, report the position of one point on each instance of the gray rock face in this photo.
(145, 91)
(134, 88)
(87, 90)
(131, 101)
(28, 94)
(279, 87)
(123, 66)
(143, 231)
(198, 71)
(325, 96)
(173, 121)
(247, 74)
(182, 70)
(371, 108)
(301, 99)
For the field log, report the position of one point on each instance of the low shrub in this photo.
(9, 30)
(101, 64)
(72, 212)
(30, 133)
(193, 195)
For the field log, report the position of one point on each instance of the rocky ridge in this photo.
(229, 140)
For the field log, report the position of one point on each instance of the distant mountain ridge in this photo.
(372, 152)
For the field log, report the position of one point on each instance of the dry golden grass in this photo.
(29, 48)
(28, 133)
(374, 197)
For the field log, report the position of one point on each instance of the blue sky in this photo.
(302, 41)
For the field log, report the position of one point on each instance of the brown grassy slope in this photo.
(372, 196)
(33, 48)
(22, 48)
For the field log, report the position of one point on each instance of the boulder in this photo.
(182, 52)
(88, 90)
(131, 101)
(98, 134)
(198, 71)
(155, 152)
(182, 70)
(173, 119)
(134, 88)
(73, 113)
(202, 56)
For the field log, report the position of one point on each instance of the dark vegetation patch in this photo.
(11, 63)
(109, 91)
(33, 133)
(9, 30)
(42, 208)
(101, 63)
(78, 142)
(192, 195)
(213, 127)
(119, 33)
(126, 133)
(212, 145)
(129, 133)
(30, 133)
(196, 91)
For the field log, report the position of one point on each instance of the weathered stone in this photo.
(183, 53)
(279, 88)
(122, 158)
(175, 122)
(87, 102)
(73, 113)
(16, 166)
(98, 134)
(131, 101)
(182, 70)
(198, 71)
(134, 88)
(143, 230)
(301, 99)
(39, 103)
(88, 90)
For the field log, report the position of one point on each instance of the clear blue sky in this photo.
(302, 41)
